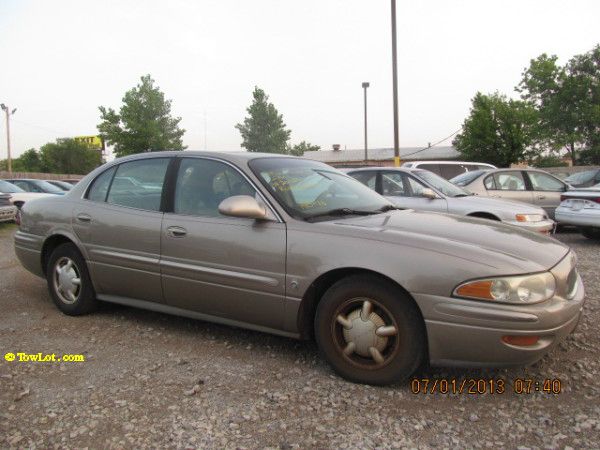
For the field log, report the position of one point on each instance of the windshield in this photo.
(9, 188)
(62, 185)
(442, 185)
(581, 177)
(309, 188)
(466, 178)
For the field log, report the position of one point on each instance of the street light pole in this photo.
(8, 113)
(395, 84)
(365, 85)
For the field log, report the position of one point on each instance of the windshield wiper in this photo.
(342, 212)
(462, 195)
(385, 208)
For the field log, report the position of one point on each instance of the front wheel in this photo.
(370, 331)
(591, 232)
(69, 281)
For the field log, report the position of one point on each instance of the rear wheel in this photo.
(591, 232)
(370, 331)
(69, 281)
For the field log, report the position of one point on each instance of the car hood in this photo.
(504, 249)
(510, 206)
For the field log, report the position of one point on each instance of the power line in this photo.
(432, 145)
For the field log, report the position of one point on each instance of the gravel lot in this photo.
(155, 380)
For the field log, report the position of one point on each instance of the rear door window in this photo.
(99, 187)
(139, 184)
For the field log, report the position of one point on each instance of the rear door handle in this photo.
(176, 232)
(84, 218)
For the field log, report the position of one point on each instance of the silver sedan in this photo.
(423, 190)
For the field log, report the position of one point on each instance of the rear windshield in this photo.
(581, 177)
(466, 178)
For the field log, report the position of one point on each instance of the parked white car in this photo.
(18, 196)
(448, 169)
(581, 207)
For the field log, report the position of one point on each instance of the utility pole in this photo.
(365, 85)
(395, 84)
(8, 113)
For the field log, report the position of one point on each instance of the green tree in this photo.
(553, 93)
(584, 71)
(263, 130)
(567, 99)
(497, 131)
(299, 149)
(29, 161)
(144, 122)
(68, 156)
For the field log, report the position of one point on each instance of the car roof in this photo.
(425, 161)
(235, 157)
(371, 168)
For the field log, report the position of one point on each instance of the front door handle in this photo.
(84, 218)
(541, 197)
(176, 232)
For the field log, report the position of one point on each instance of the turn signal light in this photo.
(521, 341)
(478, 289)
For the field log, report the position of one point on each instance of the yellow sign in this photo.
(93, 142)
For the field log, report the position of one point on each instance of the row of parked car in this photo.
(15, 192)
(529, 198)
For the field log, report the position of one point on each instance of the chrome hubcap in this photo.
(369, 334)
(67, 281)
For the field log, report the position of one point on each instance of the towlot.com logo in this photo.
(41, 357)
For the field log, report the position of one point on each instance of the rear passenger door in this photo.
(119, 223)
(508, 184)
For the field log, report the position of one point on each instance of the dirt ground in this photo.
(153, 380)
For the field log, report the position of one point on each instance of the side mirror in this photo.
(429, 193)
(243, 206)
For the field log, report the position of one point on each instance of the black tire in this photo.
(591, 232)
(401, 354)
(83, 300)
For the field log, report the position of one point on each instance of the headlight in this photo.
(515, 290)
(529, 217)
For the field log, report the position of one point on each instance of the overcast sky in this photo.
(60, 60)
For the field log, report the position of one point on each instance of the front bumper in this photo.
(469, 333)
(7, 213)
(585, 217)
(543, 226)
